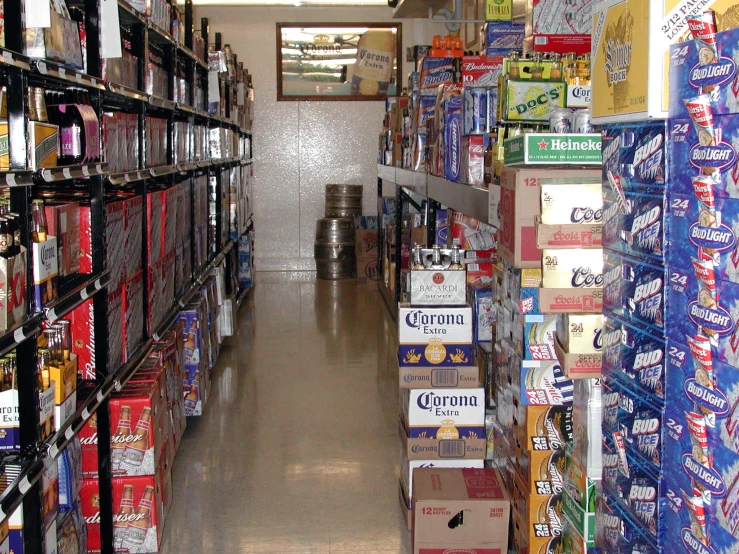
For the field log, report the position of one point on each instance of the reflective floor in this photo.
(298, 449)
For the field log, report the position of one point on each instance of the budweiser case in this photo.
(435, 336)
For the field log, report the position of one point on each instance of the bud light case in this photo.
(435, 336)
(444, 413)
(636, 154)
(635, 290)
(452, 139)
(633, 354)
(499, 38)
(689, 78)
(435, 72)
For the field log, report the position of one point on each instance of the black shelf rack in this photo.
(17, 73)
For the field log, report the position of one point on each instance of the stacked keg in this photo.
(334, 246)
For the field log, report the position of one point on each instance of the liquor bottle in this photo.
(52, 345)
(71, 131)
(191, 398)
(418, 258)
(456, 263)
(119, 438)
(43, 373)
(15, 230)
(38, 232)
(6, 238)
(7, 374)
(134, 453)
(436, 257)
(121, 519)
(555, 72)
(138, 528)
(32, 115)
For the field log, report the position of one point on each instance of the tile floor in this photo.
(297, 451)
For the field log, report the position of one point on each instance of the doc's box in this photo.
(444, 413)
(435, 336)
(636, 155)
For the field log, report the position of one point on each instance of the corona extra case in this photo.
(435, 336)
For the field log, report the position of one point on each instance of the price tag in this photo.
(42, 68)
(127, 177)
(8, 57)
(99, 169)
(94, 81)
(85, 171)
(78, 76)
(62, 73)
(10, 179)
(67, 173)
(46, 174)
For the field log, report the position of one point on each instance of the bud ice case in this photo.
(636, 155)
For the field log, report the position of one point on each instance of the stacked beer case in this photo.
(442, 419)
(551, 270)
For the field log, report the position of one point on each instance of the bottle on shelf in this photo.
(71, 129)
(65, 338)
(14, 231)
(537, 69)
(13, 369)
(43, 373)
(456, 263)
(417, 258)
(6, 238)
(436, 257)
(555, 71)
(38, 232)
(7, 374)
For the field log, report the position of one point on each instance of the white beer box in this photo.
(571, 201)
(407, 466)
(576, 268)
(438, 288)
(580, 333)
(444, 413)
(435, 336)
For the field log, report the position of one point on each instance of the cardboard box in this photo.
(520, 205)
(424, 377)
(440, 449)
(435, 336)
(13, 290)
(65, 379)
(444, 413)
(552, 148)
(443, 495)
(579, 366)
(567, 201)
(540, 514)
(45, 272)
(568, 236)
(63, 222)
(365, 243)
(42, 145)
(368, 271)
(541, 428)
(571, 300)
(404, 503)
(540, 471)
(438, 288)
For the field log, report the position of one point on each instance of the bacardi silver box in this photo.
(438, 288)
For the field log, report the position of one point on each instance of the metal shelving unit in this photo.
(17, 72)
(436, 192)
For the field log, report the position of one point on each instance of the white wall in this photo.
(301, 146)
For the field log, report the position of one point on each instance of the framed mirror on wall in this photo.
(338, 61)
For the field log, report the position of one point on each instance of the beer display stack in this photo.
(442, 418)
(334, 249)
(547, 291)
(124, 190)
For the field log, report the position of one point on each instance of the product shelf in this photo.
(53, 69)
(63, 173)
(31, 470)
(128, 176)
(16, 178)
(160, 36)
(12, 337)
(82, 288)
(8, 57)
(181, 48)
(127, 92)
(471, 201)
(163, 170)
(163, 103)
(128, 14)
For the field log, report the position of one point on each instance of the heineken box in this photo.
(553, 148)
(533, 100)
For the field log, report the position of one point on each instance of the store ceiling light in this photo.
(291, 2)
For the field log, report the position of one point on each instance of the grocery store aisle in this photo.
(298, 449)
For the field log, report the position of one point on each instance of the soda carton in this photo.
(499, 38)
(636, 355)
(63, 221)
(635, 155)
(69, 466)
(470, 234)
(473, 159)
(435, 72)
(435, 336)
(635, 290)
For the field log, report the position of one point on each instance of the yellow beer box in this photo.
(532, 100)
(43, 141)
(575, 268)
(444, 414)
(440, 337)
(630, 55)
